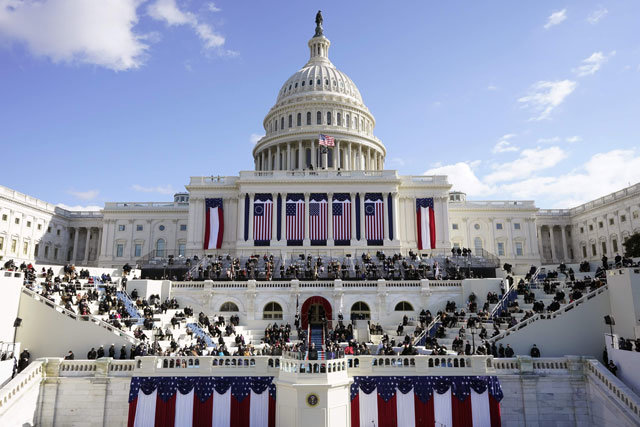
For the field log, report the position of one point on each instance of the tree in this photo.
(632, 246)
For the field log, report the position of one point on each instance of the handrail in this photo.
(503, 300)
(553, 314)
(427, 330)
(32, 373)
(36, 296)
(617, 389)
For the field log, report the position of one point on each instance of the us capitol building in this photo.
(291, 166)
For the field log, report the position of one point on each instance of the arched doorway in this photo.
(312, 310)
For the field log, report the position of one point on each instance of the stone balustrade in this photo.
(315, 284)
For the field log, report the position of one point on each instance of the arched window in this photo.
(272, 310)
(360, 310)
(319, 118)
(326, 82)
(276, 124)
(308, 118)
(403, 306)
(160, 248)
(281, 122)
(328, 117)
(299, 120)
(347, 122)
(318, 82)
(303, 82)
(339, 119)
(290, 120)
(229, 306)
(477, 244)
(310, 82)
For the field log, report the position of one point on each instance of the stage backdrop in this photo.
(202, 401)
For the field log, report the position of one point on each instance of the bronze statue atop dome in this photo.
(318, 24)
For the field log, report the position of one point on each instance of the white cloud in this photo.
(573, 139)
(255, 137)
(597, 15)
(530, 161)
(545, 96)
(463, 178)
(602, 174)
(552, 140)
(397, 161)
(167, 189)
(556, 18)
(169, 12)
(79, 207)
(84, 195)
(76, 31)
(492, 87)
(213, 8)
(504, 146)
(592, 64)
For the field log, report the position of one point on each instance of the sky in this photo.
(124, 100)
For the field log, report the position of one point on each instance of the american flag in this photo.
(217, 401)
(374, 217)
(341, 217)
(295, 217)
(326, 140)
(426, 228)
(425, 401)
(262, 217)
(318, 218)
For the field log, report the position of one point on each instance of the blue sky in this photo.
(125, 99)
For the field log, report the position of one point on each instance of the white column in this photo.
(278, 159)
(336, 155)
(131, 253)
(240, 216)
(75, 245)
(330, 219)
(263, 157)
(494, 245)
(564, 243)
(99, 248)
(362, 227)
(540, 248)
(360, 165)
(353, 216)
(269, 160)
(251, 195)
(283, 219)
(289, 156)
(306, 241)
(552, 239)
(512, 251)
(349, 165)
(385, 216)
(86, 246)
(396, 220)
(274, 218)
(314, 160)
(300, 156)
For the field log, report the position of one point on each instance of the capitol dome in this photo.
(319, 100)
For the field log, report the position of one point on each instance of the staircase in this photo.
(132, 309)
(199, 332)
(316, 335)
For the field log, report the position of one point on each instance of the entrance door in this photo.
(316, 314)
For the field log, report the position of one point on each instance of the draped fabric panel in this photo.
(480, 412)
(424, 415)
(387, 412)
(184, 409)
(259, 407)
(146, 410)
(461, 411)
(442, 409)
(406, 409)
(368, 409)
(221, 404)
(494, 408)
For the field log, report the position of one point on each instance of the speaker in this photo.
(609, 320)
(17, 322)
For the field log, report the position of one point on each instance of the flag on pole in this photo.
(326, 140)
(425, 401)
(374, 218)
(200, 401)
(262, 218)
(426, 223)
(294, 211)
(214, 223)
(318, 218)
(341, 218)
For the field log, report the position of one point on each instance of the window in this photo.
(229, 306)
(121, 227)
(403, 306)
(499, 226)
(160, 248)
(4, 217)
(590, 227)
(25, 248)
(308, 118)
(339, 119)
(326, 81)
(328, 117)
(623, 218)
(182, 249)
(48, 229)
(318, 118)
(500, 248)
(17, 220)
(46, 251)
(360, 310)
(635, 214)
(119, 250)
(476, 226)
(604, 248)
(36, 250)
(519, 251)
(281, 122)
(139, 227)
(581, 230)
(1, 243)
(303, 82)
(516, 226)
(299, 119)
(161, 228)
(14, 244)
(28, 223)
(137, 250)
(477, 244)
(454, 226)
(58, 232)
(610, 221)
(55, 253)
(584, 252)
(290, 120)
(39, 226)
(600, 224)
(272, 310)
(347, 123)
(318, 82)
(593, 249)
(614, 244)
(183, 227)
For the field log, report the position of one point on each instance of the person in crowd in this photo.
(535, 351)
